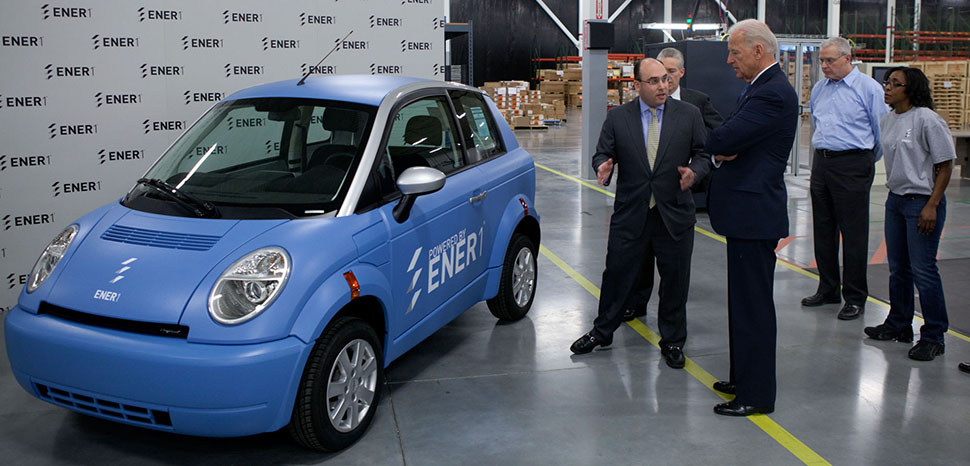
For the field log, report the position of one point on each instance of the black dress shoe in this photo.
(851, 312)
(586, 343)
(883, 332)
(925, 350)
(964, 366)
(673, 356)
(733, 408)
(819, 299)
(631, 313)
(725, 387)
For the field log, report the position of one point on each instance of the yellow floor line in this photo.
(720, 238)
(769, 426)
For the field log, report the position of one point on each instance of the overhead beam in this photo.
(562, 27)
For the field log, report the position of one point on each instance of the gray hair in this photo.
(756, 32)
(671, 52)
(841, 45)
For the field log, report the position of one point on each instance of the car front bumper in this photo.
(156, 382)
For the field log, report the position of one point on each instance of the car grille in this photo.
(103, 406)
(159, 239)
(133, 326)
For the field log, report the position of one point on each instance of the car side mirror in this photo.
(414, 182)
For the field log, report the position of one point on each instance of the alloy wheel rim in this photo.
(523, 277)
(351, 386)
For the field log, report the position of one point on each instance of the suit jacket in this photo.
(681, 143)
(702, 101)
(748, 199)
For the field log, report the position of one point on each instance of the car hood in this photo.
(145, 267)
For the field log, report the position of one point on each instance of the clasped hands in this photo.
(687, 176)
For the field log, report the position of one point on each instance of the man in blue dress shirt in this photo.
(846, 108)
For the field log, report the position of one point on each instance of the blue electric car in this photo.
(288, 246)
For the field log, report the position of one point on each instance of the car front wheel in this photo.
(340, 388)
(518, 284)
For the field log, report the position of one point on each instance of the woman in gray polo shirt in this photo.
(918, 150)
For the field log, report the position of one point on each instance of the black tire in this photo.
(310, 424)
(520, 274)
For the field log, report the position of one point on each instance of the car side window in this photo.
(474, 116)
(423, 135)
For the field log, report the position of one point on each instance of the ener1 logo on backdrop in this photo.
(272, 147)
(201, 43)
(113, 42)
(276, 44)
(58, 12)
(74, 187)
(14, 279)
(307, 68)
(161, 70)
(385, 22)
(237, 17)
(376, 68)
(124, 155)
(109, 98)
(20, 221)
(146, 14)
(12, 162)
(411, 46)
(22, 41)
(415, 2)
(306, 19)
(243, 70)
(194, 97)
(72, 130)
(437, 23)
(233, 122)
(56, 71)
(22, 101)
(352, 44)
(155, 126)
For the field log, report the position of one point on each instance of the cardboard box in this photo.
(554, 87)
(550, 75)
(521, 121)
(573, 74)
(573, 87)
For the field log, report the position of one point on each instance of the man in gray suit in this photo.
(659, 145)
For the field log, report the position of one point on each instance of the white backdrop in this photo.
(91, 92)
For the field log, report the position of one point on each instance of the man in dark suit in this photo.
(748, 205)
(658, 144)
(673, 61)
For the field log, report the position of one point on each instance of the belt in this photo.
(839, 153)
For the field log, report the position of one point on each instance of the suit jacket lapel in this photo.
(636, 131)
(667, 129)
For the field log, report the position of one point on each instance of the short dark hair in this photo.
(917, 86)
(636, 67)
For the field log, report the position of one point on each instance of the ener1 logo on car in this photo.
(453, 255)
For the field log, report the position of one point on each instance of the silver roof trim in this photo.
(377, 132)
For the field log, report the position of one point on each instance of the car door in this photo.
(437, 252)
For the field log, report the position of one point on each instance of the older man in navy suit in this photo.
(748, 205)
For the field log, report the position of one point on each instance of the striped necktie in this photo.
(653, 142)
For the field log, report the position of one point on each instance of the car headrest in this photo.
(423, 127)
(339, 119)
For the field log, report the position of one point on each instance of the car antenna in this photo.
(335, 47)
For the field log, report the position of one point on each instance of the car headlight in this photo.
(249, 285)
(50, 257)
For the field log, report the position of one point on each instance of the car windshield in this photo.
(260, 158)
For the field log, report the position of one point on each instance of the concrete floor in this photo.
(483, 392)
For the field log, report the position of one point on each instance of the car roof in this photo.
(364, 89)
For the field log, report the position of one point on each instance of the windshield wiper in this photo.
(199, 207)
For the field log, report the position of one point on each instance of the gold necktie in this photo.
(653, 142)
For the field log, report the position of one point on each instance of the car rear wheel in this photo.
(518, 284)
(340, 388)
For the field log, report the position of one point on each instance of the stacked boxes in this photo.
(522, 107)
(573, 79)
(950, 86)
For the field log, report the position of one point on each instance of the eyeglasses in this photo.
(654, 81)
(829, 61)
(893, 84)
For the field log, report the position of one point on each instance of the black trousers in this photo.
(752, 326)
(626, 262)
(840, 206)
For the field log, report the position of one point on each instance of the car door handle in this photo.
(477, 198)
